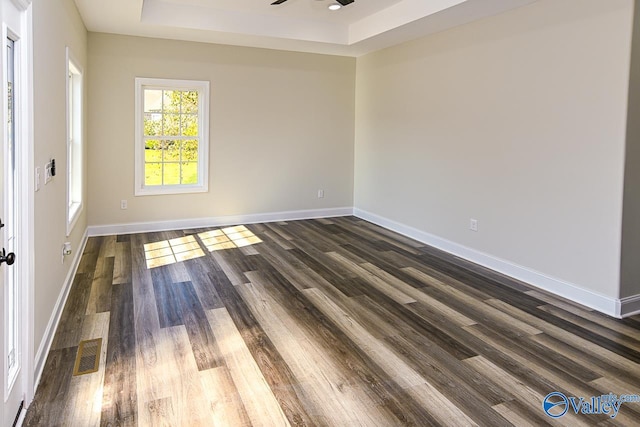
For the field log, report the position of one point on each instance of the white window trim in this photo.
(203, 129)
(74, 209)
(22, 5)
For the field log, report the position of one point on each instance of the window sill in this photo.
(166, 190)
(73, 214)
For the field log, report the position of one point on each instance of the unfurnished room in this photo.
(320, 213)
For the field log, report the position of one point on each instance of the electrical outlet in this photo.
(66, 250)
(123, 204)
(473, 224)
(320, 194)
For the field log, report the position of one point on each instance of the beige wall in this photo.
(281, 127)
(517, 120)
(56, 25)
(630, 267)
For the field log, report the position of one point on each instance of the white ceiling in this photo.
(298, 25)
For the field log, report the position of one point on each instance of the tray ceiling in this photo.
(298, 25)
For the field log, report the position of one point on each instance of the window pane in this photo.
(190, 150)
(190, 102)
(171, 101)
(152, 100)
(171, 125)
(153, 124)
(153, 174)
(171, 173)
(189, 125)
(190, 173)
(152, 151)
(172, 151)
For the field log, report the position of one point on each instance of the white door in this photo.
(12, 281)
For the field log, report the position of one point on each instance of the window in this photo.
(171, 136)
(74, 141)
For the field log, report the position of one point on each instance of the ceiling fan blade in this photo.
(279, 2)
(345, 2)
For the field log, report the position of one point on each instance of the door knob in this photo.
(9, 258)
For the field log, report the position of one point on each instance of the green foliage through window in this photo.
(170, 137)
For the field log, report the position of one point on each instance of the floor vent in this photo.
(88, 358)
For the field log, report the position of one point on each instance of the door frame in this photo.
(24, 184)
(26, 211)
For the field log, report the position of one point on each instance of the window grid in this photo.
(74, 141)
(163, 137)
(171, 136)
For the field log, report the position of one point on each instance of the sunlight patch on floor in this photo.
(167, 252)
(229, 238)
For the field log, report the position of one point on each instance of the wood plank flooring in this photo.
(330, 322)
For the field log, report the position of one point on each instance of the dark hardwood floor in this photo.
(332, 322)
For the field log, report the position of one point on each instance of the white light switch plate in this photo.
(37, 179)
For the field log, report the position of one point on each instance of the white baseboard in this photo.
(630, 306)
(23, 415)
(611, 306)
(607, 305)
(146, 227)
(47, 339)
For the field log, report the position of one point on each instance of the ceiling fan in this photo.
(342, 2)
